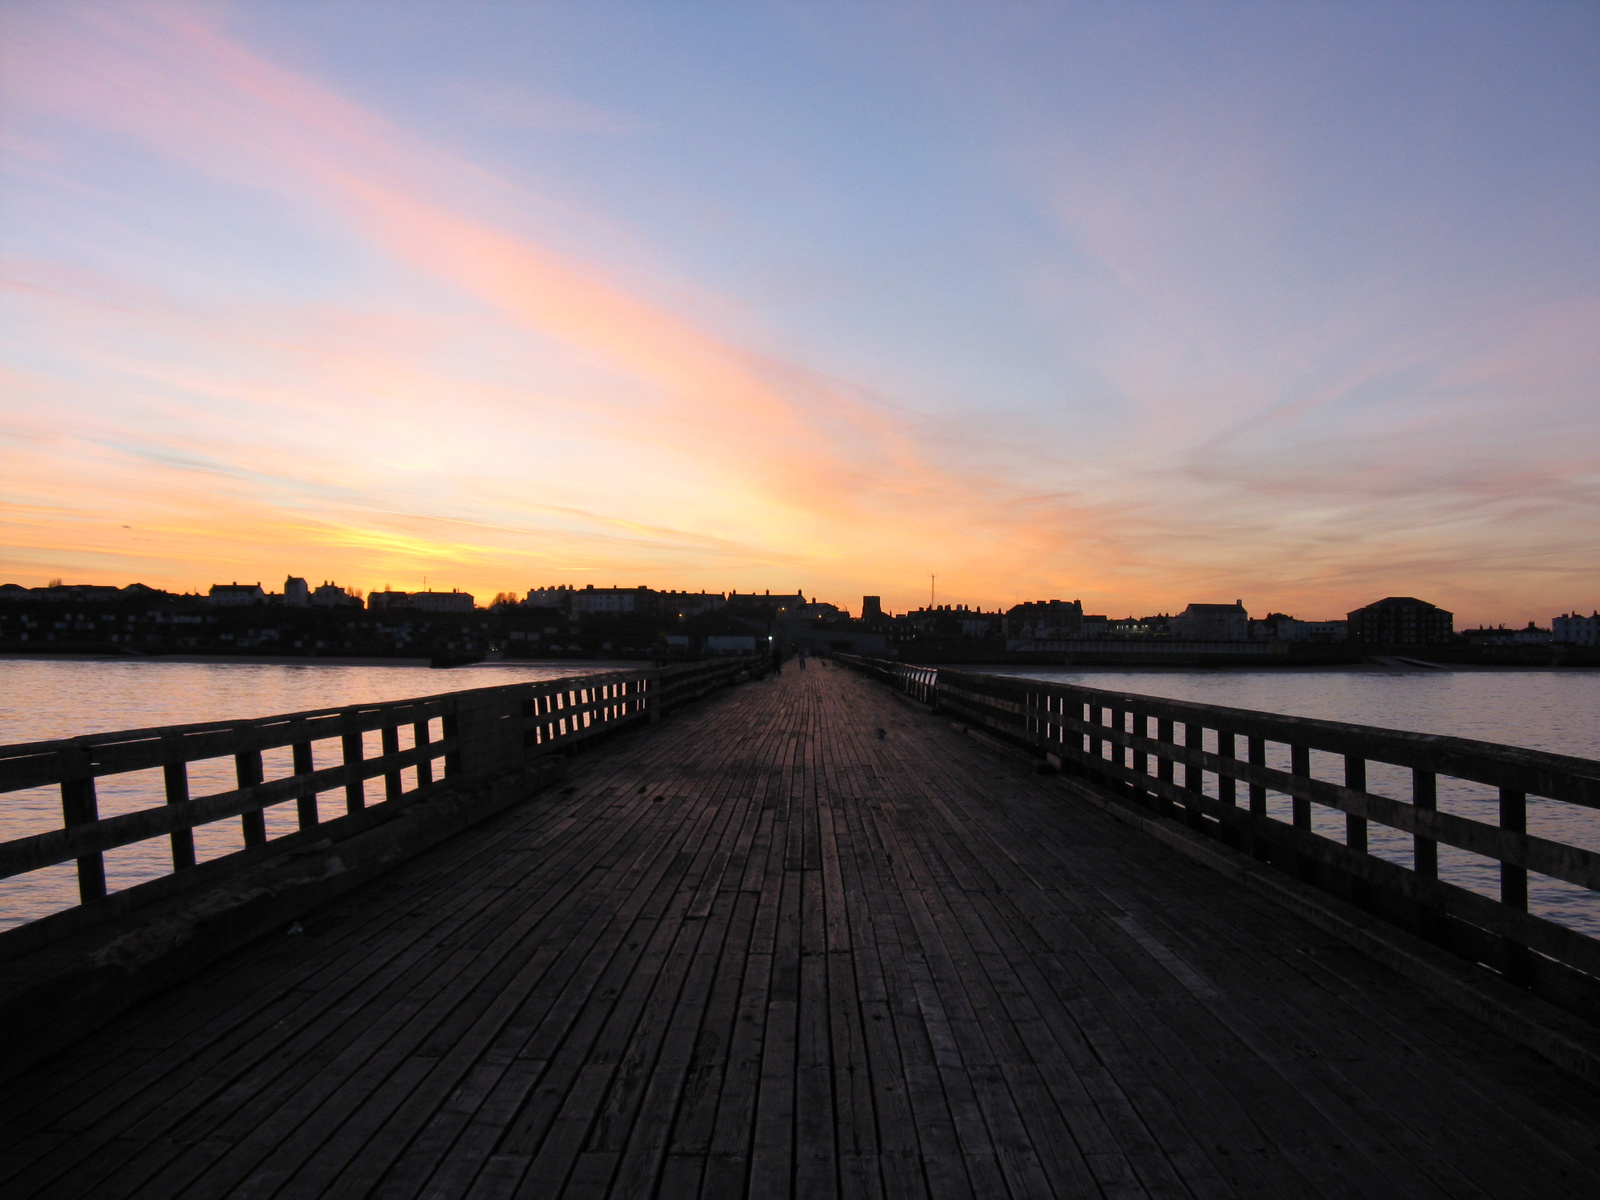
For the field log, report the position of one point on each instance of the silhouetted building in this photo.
(441, 602)
(386, 599)
(684, 605)
(295, 592)
(590, 600)
(1278, 627)
(766, 606)
(1574, 630)
(558, 597)
(1045, 620)
(1501, 636)
(331, 595)
(1401, 621)
(230, 595)
(871, 607)
(438, 602)
(1212, 623)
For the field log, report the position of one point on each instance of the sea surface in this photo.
(1557, 711)
(42, 699)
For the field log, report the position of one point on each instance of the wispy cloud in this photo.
(517, 106)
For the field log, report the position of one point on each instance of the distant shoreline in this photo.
(301, 660)
(269, 660)
(1359, 668)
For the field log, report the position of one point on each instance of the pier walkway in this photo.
(801, 939)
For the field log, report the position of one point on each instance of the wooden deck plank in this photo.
(1126, 973)
(827, 962)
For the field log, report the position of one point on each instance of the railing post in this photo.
(1096, 745)
(355, 787)
(1119, 752)
(391, 745)
(1141, 758)
(1260, 847)
(1227, 786)
(1193, 775)
(450, 725)
(305, 801)
(175, 782)
(1300, 764)
(79, 807)
(420, 738)
(1425, 798)
(1514, 883)
(1164, 763)
(1355, 778)
(1513, 819)
(247, 773)
(1355, 828)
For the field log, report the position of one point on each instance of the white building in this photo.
(1573, 630)
(452, 601)
(590, 599)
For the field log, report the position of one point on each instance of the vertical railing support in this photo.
(451, 724)
(1513, 819)
(80, 807)
(1424, 850)
(419, 735)
(1119, 752)
(1259, 846)
(1300, 764)
(248, 773)
(1514, 884)
(1355, 778)
(1164, 763)
(175, 783)
(305, 800)
(1227, 786)
(1141, 758)
(1193, 776)
(391, 746)
(355, 787)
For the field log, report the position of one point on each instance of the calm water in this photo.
(1557, 711)
(43, 698)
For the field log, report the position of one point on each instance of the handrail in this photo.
(476, 733)
(1209, 766)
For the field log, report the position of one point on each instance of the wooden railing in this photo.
(1222, 770)
(452, 738)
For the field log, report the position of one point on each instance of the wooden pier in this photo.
(801, 939)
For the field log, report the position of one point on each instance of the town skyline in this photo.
(850, 606)
(1135, 302)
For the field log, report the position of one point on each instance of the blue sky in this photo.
(1143, 303)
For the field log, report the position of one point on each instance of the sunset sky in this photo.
(1139, 303)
